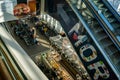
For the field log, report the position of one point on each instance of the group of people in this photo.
(27, 30)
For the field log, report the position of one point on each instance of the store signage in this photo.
(103, 72)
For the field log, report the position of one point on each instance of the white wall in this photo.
(7, 5)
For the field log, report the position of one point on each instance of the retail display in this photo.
(27, 31)
(56, 41)
(52, 58)
(64, 47)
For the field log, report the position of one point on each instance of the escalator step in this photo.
(118, 66)
(103, 38)
(115, 57)
(106, 42)
(103, 9)
(100, 6)
(111, 20)
(113, 49)
(108, 51)
(96, 1)
(99, 29)
(95, 23)
(118, 62)
(101, 35)
(116, 25)
(107, 14)
(88, 13)
(118, 31)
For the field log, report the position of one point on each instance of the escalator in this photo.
(106, 19)
(102, 37)
(107, 45)
(105, 38)
(110, 23)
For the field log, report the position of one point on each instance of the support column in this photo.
(42, 7)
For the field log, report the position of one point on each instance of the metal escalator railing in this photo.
(102, 40)
(106, 19)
